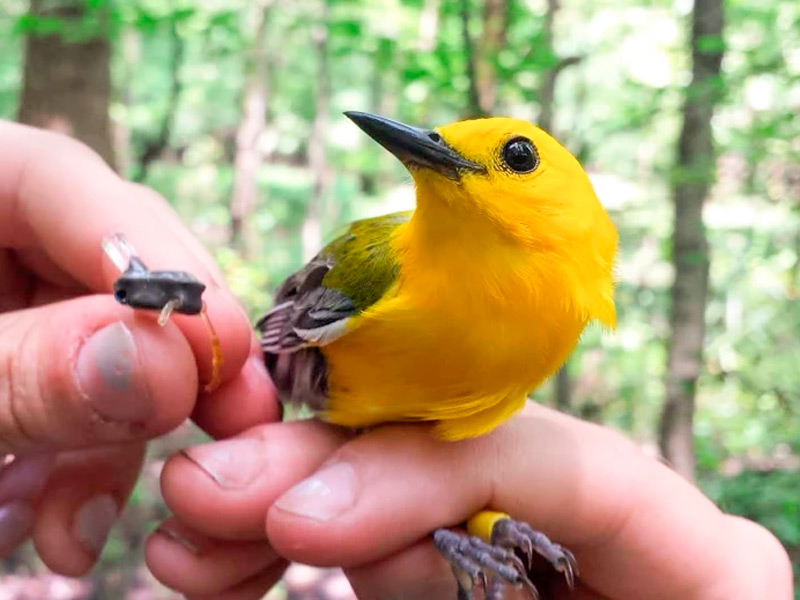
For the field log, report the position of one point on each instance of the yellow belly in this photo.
(468, 372)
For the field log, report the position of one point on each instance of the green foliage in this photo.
(10, 58)
(771, 497)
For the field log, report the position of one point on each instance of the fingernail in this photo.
(109, 375)
(16, 522)
(25, 477)
(93, 521)
(179, 539)
(323, 496)
(233, 464)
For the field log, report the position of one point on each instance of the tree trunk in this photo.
(311, 233)
(548, 87)
(562, 389)
(154, 148)
(692, 180)
(473, 97)
(67, 78)
(480, 57)
(247, 159)
(547, 90)
(493, 38)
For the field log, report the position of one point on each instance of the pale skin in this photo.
(639, 531)
(84, 381)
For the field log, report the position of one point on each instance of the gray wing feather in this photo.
(306, 312)
(309, 314)
(306, 315)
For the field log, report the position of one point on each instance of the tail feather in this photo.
(301, 377)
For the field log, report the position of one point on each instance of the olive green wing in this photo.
(315, 305)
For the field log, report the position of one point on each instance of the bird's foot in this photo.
(481, 567)
(518, 535)
(486, 567)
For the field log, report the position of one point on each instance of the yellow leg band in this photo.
(482, 523)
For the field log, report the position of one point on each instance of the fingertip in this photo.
(16, 523)
(758, 552)
(249, 399)
(251, 589)
(217, 490)
(80, 506)
(25, 477)
(378, 493)
(193, 564)
(226, 321)
(116, 376)
(170, 544)
(223, 489)
(170, 553)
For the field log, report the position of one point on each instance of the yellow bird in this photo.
(452, 313)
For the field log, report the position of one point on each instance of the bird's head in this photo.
(512, 177)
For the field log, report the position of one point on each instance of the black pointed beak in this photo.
(414, 147)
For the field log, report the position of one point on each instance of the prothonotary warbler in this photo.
(453, 313)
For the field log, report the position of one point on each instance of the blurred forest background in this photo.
(688, 123)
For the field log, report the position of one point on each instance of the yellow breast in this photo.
(460, 344)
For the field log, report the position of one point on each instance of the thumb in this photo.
(88, 371)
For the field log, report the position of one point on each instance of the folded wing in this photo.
(318, 304)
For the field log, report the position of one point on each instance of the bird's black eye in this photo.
(520, 155)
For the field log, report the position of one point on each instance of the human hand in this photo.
(369, 504)
(85, 381)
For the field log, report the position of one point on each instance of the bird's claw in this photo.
(518, 535)
(482, 567)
